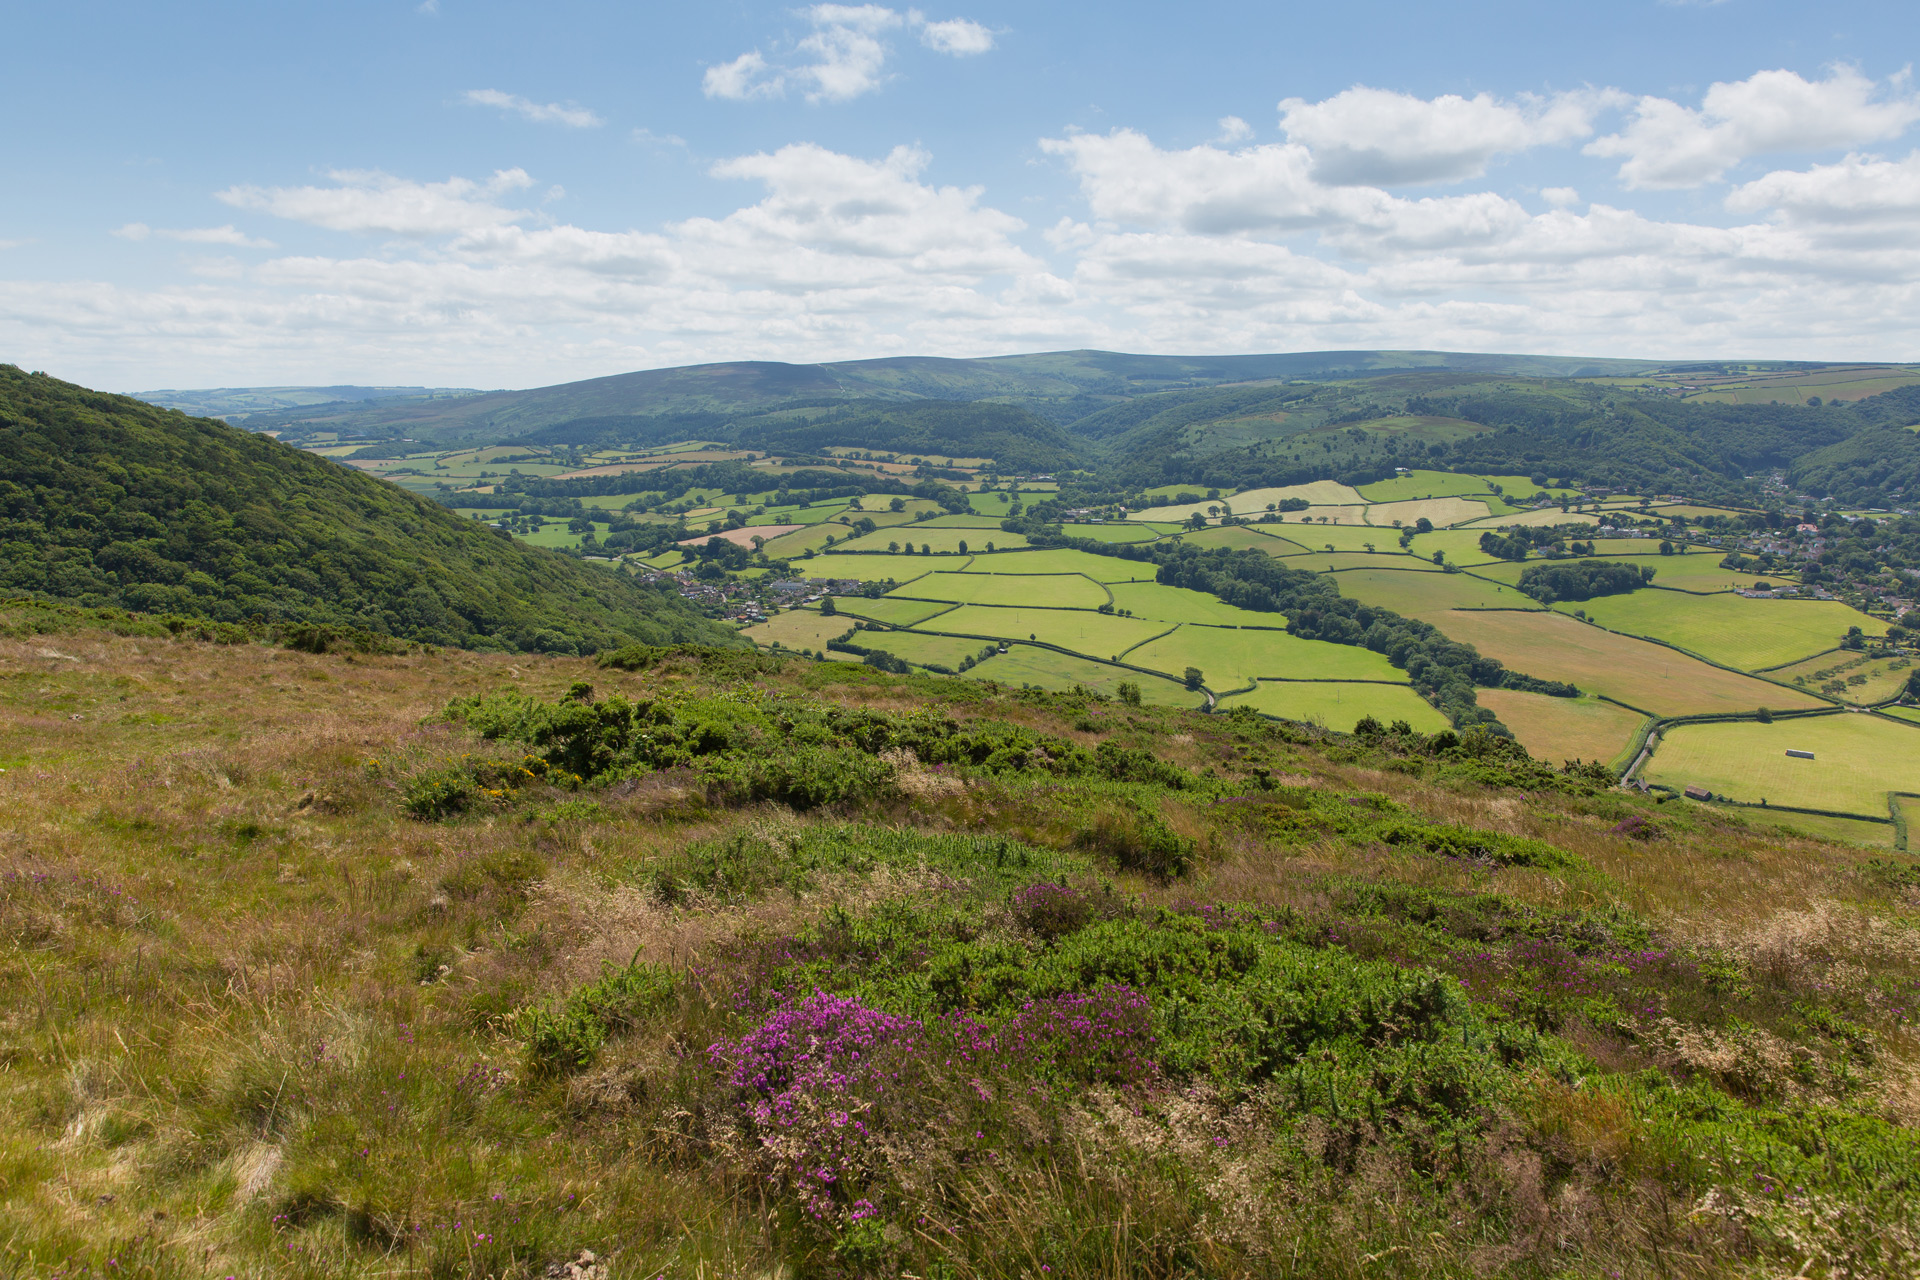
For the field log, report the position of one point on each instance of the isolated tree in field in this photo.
(1193, 678)
(828, 609)
(963, 546)
(1128, 692)
(894, 546)
(1439, 557)
(898, 504)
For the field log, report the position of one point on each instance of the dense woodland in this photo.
(105, 500)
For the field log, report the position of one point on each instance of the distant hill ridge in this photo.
(108, 501)
(1058, 387)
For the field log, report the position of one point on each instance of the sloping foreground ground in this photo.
(331, 966)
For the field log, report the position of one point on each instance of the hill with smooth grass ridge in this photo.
(109, 501)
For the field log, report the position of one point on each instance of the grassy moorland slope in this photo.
(717, 964)
(105, 500)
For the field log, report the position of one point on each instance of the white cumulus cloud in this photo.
(1770, 112)
(960, 37)
(372, 201)
(843, 57)
(1375, 137)
(229, 235)
(538, 112)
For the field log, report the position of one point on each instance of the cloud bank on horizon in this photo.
(1776, 214)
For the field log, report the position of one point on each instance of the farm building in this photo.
(1799, 755)
(1697, 793)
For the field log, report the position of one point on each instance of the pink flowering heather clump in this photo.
(820, 1078)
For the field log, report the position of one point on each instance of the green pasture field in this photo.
(1613, 548)
(1857, 760)
(1462, 547)
(961, 522)
(1821, 827)
(1423, 484)
(920, 648)
(895, 613)
(1253, 501)
(1523, 487)
(1559, 729)
(811, 514)
(1428, 596)
(1553, 646)
(1699, 572)
(798, 629)
(1128, 532)
(1341, 537)
(991, 503)
(1904, 713)
(1229, 658)
(1098, 635)
(1736, 630)
(1382, 558)
(1441, 511)
(1239, 537)
(945, 541)
(1883, 677)
(554, 534)
(665, 560)
(1024, 664)
(1179, 604)
(1061, 560)
(1036, 591)
(1339, 706)
(879, 568)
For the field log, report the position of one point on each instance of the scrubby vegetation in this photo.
(700, 962)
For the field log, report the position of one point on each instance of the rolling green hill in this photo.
(106, 500)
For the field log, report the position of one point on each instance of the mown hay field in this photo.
(1179, 604)
(1098, 635)
(1023, 664)
(974, 521)
(1427, 596)
(1736, 630)
(880, 568)
(947, 541)
(1559, 729)
(1441, 511)
(1857, 760)
(1340, 706)
(1320, 493)
(1039, 591)
(1555, 647)
(1424, 484)
(1549, 516)
(798, 629)
(1230, 658)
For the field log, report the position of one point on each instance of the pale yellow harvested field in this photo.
(1442, 511)
(1557, 729)
(1254, 501)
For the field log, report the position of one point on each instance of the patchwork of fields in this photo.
(1071, 617)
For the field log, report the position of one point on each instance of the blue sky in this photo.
(499, 194)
